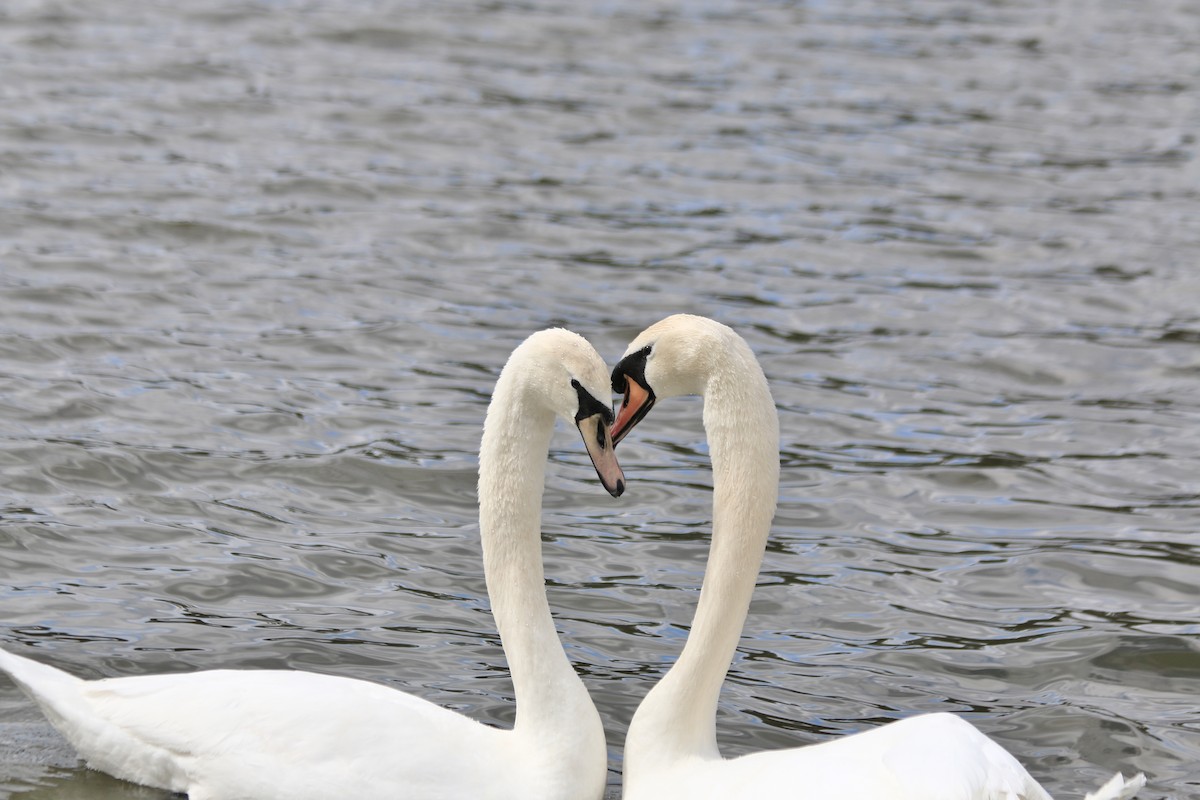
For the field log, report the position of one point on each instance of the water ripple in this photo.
(262, 264)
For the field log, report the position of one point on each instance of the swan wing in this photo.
(291, 734)
(943, 757)
(268, 733)
(931, 757)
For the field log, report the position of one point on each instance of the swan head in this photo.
(572, 381)
(675, 356)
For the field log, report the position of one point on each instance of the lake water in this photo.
(260, 263)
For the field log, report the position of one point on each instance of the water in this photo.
(261, 262)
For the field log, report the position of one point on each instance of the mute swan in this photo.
(288, 735)
(671, 749)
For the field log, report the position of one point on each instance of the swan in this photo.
(291, 735)
(670, 749)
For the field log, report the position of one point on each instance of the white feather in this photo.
(287, 735)
(670, 750)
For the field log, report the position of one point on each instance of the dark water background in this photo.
(260, 263)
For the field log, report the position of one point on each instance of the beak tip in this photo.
(618, 490)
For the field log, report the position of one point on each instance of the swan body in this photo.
(671, 750)
(291, 735)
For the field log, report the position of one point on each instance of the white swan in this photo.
(671, 749)
(288, 735)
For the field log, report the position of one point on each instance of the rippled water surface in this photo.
(260, 264)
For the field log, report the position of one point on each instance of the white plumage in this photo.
(288, 735)
(670, 750)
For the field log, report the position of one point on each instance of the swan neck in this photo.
(550, 698)
(677, 718)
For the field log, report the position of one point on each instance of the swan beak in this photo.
(636, 405)
(602, 449)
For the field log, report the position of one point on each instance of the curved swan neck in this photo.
(516, 440)
(742, 427)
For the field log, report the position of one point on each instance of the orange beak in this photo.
(637, 403)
